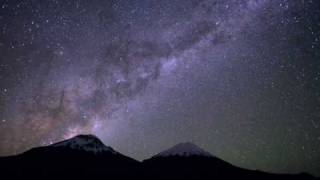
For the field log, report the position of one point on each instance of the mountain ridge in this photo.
(78, 158)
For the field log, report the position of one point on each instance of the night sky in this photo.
(239, 78)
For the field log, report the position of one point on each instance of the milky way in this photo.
(239, 78)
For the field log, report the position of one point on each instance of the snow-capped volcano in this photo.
(88, 143)
(184, 149)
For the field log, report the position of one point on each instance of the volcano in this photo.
(87, 157)
(81, 157)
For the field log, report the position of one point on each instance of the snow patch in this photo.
(184, 149)
(89, 143)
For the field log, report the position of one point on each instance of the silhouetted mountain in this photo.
(188, 161)
(81, 157)
(86, 157)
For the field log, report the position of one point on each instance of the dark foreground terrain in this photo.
(86, 157)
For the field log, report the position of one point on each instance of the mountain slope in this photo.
(81, 157)
(188, 161)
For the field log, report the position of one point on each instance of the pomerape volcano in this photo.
(188, 161)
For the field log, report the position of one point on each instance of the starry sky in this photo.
(239, 78)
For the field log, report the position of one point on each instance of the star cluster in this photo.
(241, 78)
